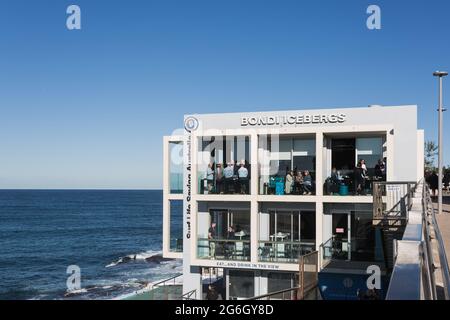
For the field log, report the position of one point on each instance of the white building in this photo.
(269, 214)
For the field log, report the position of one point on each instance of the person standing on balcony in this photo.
(359, 179)
(365, 175)
(228, 173)
(243, 178)
(219, 178)
(289, 182)
(211, 238)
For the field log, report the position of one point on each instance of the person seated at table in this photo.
(307, 183)
(228, 173)
(333, 182)
(379, 169)
(298, 182)
(289, 182)
(219, 178)
(210, 177)
(243, 178)
(230, 233)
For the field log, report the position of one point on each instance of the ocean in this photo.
(42, 232)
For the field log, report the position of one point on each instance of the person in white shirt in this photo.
(228, 173)
(243, 178)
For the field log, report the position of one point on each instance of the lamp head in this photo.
(440, 73)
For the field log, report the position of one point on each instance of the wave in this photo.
(147, 256)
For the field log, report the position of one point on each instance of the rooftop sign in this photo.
(293, 119)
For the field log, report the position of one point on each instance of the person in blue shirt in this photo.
(228, 174)
(243, 178)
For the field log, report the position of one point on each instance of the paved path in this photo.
(444, 223)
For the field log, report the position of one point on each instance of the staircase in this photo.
(391, 203)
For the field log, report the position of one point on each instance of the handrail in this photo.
(413, 276)
(167, 280)
(378, 212)
(188, 295)
(274, 293)
(267, 295)
(441, 248)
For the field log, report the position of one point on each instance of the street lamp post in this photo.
(440, 74)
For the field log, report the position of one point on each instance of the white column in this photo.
(319, 163)
(191, 274)
(166, 204)
(254, 199)
(319, 224)
(319, 190)
(420, 155)
(390, 170)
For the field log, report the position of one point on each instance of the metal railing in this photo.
(166, 281)
(397, 200)
(284, 251)
(190, 295)
(443, 262)
(308, 282)
(413, 276)
(224, 249)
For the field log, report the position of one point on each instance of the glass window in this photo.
(176, 167)
(285, 235)
(371, 150)
(277, 281)
(224, 234)
(224, 165)
(241, 284)
(176, 225)
(278, 156)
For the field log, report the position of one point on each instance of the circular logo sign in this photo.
(191, 124)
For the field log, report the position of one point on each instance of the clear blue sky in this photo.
(88, 108)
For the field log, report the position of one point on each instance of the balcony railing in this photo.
(355, 249)
(277, 185)
(176, 245)
(223, 249)
(284, 251)
(233, 185)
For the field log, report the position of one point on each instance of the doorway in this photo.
(341, 236)
(353, 236)
(241, 284)
(343, 154)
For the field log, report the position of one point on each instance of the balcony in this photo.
(355, 249)
(233, 179)
(223, 249)
(223, 165)
(287, 164)
(284, 251)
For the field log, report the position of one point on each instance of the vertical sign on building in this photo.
(190, 282)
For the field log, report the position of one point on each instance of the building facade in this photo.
(249, 193)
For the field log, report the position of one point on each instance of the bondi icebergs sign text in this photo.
(293, 119)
